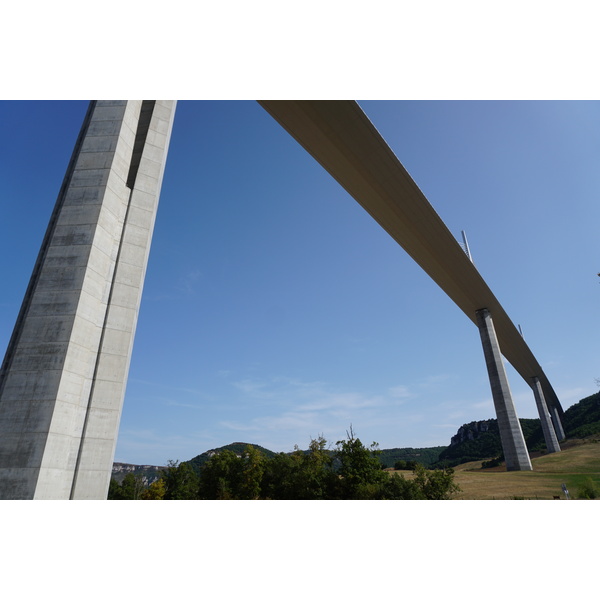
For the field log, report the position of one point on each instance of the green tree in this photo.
(359, 470)
(315, 476)
(226, 476)
(219, 476)
(180, 481)
(155, 491)
(435, 485)
(251, 474)
(399, 488)
(588, 490)
(132, 487)
(279, 481)
(300, 475)
(114, 490)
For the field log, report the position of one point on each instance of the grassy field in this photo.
(578, 462)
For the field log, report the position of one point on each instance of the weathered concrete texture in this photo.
(552, 444)
(511, 435)
(63, 378)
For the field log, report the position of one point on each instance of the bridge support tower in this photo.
(556, 421)
(63, 378)
(511, 434)
(550, 437)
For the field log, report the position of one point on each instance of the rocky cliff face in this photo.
(471, 431)
(149, 473)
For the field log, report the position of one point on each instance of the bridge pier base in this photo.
(511, 435)
(550, 438)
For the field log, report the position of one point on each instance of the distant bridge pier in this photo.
(550, 437)
(555, 416)
(511, 434)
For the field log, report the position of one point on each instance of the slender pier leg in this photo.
(511, 435)
(552, 444)
(560, 432)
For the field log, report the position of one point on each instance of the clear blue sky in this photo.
(275, 309)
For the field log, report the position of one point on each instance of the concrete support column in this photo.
(63, 378)
(511, 435)
(552, 444)
(558, 428)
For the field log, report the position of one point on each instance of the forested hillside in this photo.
(423, 456)
(583, 419)
(238, 448)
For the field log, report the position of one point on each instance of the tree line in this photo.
(351, 471)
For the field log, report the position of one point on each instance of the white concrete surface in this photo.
(63, 379)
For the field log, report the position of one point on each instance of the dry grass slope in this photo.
(578, 461)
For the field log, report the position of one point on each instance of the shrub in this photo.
(494, 462)
(435, 485)
(588, 490)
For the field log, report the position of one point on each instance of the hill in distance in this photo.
(237, 448)
(426, 456)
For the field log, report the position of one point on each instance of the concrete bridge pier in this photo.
(558, 428)
(511, 435)
(63, 379)
(550, 438)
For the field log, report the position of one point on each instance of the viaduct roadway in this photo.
(342, 139)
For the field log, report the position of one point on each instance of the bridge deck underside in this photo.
(341, 138)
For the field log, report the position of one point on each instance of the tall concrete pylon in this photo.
(557, 422)
(550, 437)
(511, 434)
(63, 378)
